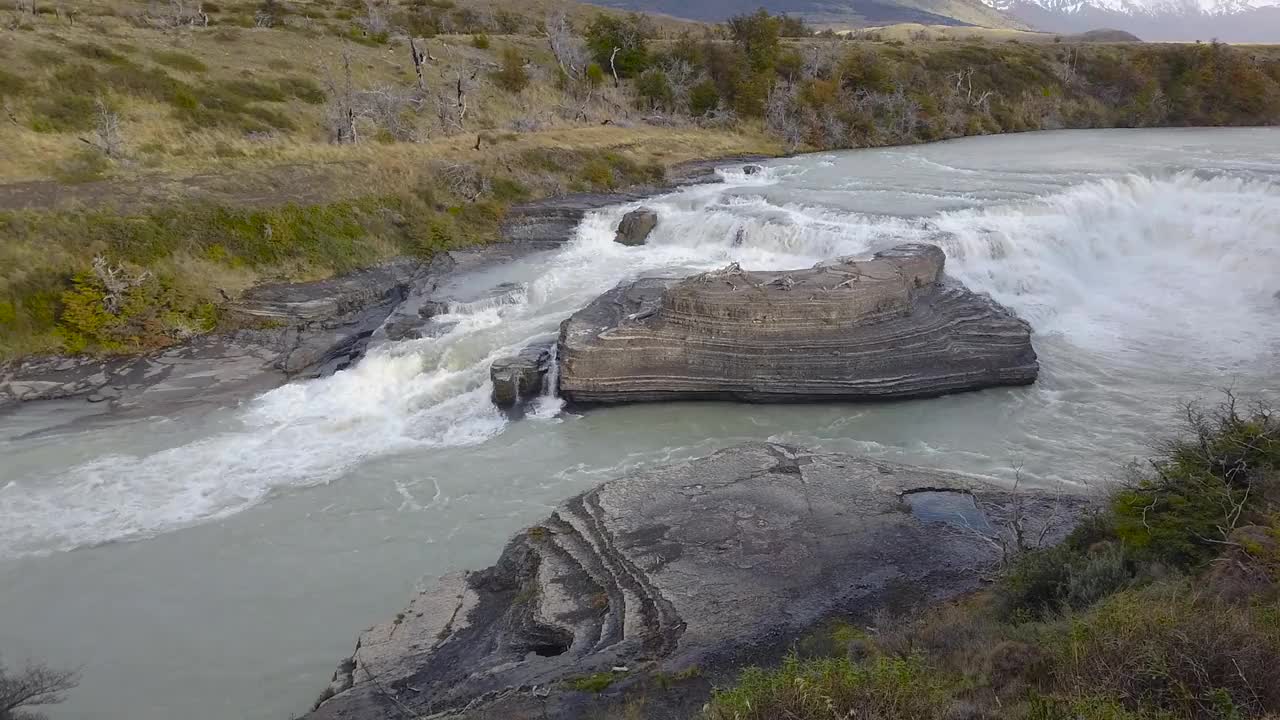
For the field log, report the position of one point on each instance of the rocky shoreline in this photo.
(661, 583)
(308, 329)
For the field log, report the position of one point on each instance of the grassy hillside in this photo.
(851, 13)
(157, 158)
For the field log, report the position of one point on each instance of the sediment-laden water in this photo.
(216, 564)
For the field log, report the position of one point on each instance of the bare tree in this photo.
(387, 107)
(780, 116)
(682, 77)
(116, 281)
(465, 181)
(568, 49)
(37, 684)
(375, 18)
(108, 138)
(342, 105)
(419, 58)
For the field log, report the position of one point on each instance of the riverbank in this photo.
(218, 560)
(160, 167)
(652, 595)
(277, 331)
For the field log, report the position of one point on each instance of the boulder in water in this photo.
(707, 564)
(635, 227)
(519, 377)
(889, 327)
(752, 169)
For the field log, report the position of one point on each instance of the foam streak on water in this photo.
(1129, 275)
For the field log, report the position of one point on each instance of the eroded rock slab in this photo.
(705, 564)
(889, 327)
(519, 377)
(635, 227)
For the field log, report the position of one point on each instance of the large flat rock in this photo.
(892, 326)
(705, 564)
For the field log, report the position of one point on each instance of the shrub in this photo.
(63, 112)
(595, 75)
(654, 89)
(1163, 649)
(302, 88)
(253, 90)
(703, 98)
(480, 41)
(1182, 510)
(78, 79)
(179, 61)
(84, 165)
(512, 76)
(878, 689)
(619, 43)
(150, 83)
(11, 85)
(98, 52)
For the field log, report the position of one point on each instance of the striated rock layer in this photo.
(889, 327)
(673, 578)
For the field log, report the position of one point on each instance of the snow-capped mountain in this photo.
(1226, 20)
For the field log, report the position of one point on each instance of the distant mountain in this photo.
(851, 12)
(1154, 20)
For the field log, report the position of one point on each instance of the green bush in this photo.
(1165, 650)
(877, 689)
(179, 61)
(619, 43)
(150, 83)
(512, 76)
(1180, 510)
(62, 112)
(480, 41)
(306, 90)
(703, 98)
(252, 90)
(11, 85)
(99, 53)
(654, 90)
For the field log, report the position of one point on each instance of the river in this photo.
(217, 563)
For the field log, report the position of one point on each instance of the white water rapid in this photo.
(262, 536)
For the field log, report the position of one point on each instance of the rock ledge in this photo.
(705, 564)
(889, 327)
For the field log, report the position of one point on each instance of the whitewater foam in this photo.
(1136, 271)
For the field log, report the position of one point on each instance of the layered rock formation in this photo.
(519, 377)
(889, 327)
(691, 569)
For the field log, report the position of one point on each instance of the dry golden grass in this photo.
(40, 49)
(917, 32)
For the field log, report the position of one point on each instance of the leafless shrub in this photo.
(388, 108)
(37, 684)
(374, 21)
(176, 14)
(569, 50)
(465, 181)
(116, 281)
(107, 135)
(341, 110)
(780, 116)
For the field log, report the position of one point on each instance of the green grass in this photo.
(596, 683)
(46, 288)
(180, 61)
